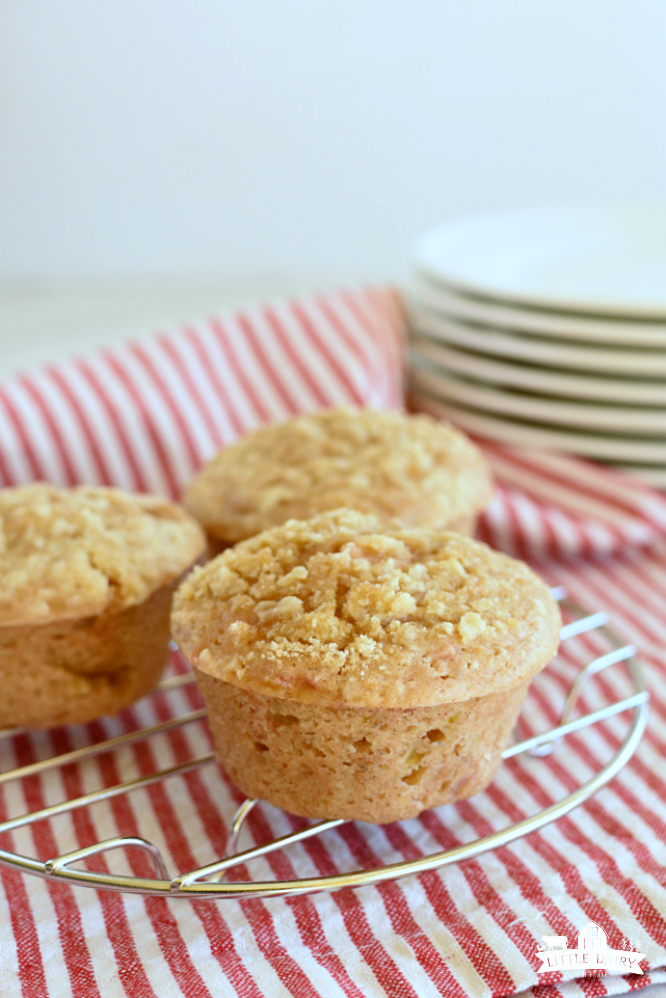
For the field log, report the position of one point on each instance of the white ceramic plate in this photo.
(537, 409)
(509, 431)
(603, 259)
(558, 325)
(649, 364)
(537, 379)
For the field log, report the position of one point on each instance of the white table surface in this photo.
(46, 323)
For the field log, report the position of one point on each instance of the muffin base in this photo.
(373, 765)
(73, 671)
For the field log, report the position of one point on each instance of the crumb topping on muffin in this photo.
(68, 553)
(388, 463)
(345, 609)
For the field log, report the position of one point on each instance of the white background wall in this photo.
(151, 138)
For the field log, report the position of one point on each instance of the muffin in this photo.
(354, 668)
(391, 464)
(86, 581)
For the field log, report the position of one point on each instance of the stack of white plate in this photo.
(547, 328)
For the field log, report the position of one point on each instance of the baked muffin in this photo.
(392, 464)
(86, 580)
(357, 669)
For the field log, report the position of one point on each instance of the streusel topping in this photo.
(74, 552)
(345, 609)
(389, 463)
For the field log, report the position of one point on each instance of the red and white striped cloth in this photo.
(145, 416)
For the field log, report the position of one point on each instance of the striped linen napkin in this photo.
(145, 416)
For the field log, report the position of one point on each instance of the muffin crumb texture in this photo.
(389, 464)
(344, 610)
(68, 553)
(362, 764)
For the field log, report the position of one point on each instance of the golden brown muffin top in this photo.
(392, 464)
(346, 610)
(68, 553)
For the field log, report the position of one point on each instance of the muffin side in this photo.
(368, 764)
(73, 671)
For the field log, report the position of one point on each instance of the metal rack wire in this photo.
(208, 881)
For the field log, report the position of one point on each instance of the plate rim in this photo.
(449, 330)
(456, 305)
(522, 214)
(561, 413)
(582, 444)
(420, 345)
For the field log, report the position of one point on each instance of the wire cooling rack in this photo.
(208, 881)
